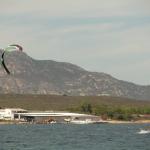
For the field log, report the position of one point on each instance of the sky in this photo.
(110, 36)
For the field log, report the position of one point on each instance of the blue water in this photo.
(73, 137)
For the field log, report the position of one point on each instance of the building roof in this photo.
(15, 109)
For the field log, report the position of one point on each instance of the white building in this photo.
(9, 113)
(21, 114)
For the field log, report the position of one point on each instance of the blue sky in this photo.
(110, 36)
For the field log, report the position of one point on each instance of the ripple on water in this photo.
(73, 137)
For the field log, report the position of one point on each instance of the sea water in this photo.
(74, 137)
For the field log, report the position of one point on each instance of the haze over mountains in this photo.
(30, 76)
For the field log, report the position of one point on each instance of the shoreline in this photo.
(129, 122)
(107, 122)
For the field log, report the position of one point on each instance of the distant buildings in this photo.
(37, 116)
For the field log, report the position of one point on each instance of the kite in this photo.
(13, 47)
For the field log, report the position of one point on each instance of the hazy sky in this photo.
(111, 36)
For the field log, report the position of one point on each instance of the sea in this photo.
(74, 137)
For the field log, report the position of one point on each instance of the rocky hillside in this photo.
(29, 76)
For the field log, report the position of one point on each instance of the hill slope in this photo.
(30, 76)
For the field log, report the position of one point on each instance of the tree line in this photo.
(113, 112)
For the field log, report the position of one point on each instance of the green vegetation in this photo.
(107, 107)
(115, 112)
(86, 108)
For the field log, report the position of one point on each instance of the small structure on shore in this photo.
(10, 113)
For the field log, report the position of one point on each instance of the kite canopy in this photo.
(13, 47)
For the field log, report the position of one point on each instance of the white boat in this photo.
(86, 121)
(142, 131)
(76, 121)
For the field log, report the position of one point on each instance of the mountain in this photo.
(30, 76)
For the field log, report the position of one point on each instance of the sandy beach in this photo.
(122, 122)
(109, 121)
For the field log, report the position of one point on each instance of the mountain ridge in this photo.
(31, 76)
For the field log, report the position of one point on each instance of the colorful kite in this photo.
(13, 47)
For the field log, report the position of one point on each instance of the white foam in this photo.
(142, 131)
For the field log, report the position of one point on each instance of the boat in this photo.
(86, 121)
(76, 121)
